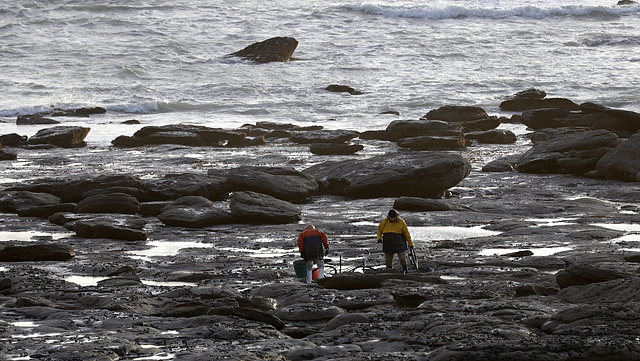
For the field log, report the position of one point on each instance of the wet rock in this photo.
(278, 49)
(348, 319)
(399, 129)
(37, 252)
(174, 186)
(109, 203)
(308, 312)
(574, 154)
(283, 183)
(249, 314)
(582, 274)
(621, 162)
(13, 140)
(72, 190)
(532, 103)
(493, 136)
(255, 208)
(15, 201)
(432, 143)
(357, 281)
(194, 212)
(335, 149)
(74, 112)
(329, 352)
(342, 89)
(44, 211)
(34, 119)
(183, 134)
(117, 282)
(137, 193)
(619, 290)
(110, 226)
(5, 285)
(483, 124)
(61, 136)
(394, 175)
(323, 136)
(530, 93)
(456, 113)
(417, 204)
(7, 155)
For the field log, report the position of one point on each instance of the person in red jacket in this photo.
(313, 246)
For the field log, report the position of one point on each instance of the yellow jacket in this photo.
(386, 226)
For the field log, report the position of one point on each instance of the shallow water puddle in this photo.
(441, 233)
(632, 229)
(89, 281)
(539, 252)
(550, 222)
(164, 249)
(27, 236)
(625, 227)
(262, 252)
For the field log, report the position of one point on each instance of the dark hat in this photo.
(393, 213)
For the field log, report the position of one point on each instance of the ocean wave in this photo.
(162, 106)
(462, 12)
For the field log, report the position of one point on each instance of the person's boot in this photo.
(320, 272)
(309, 276)
(404, 269)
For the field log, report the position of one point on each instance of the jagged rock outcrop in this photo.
(622, 162)
(279, 49)
(575, 153)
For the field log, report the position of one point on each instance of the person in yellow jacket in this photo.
(394, 235)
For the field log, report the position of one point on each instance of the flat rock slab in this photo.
(37, 252)
(402, 174)
(323, 136)
(279, 182)
(257, 208)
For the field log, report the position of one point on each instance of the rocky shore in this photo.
(178, 242)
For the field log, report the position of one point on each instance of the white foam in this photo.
(492, 11)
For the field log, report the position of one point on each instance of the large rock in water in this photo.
(274, 49)
(61, 136)
(456, 113)
(622, 162)
(183, 134)
(393, 175)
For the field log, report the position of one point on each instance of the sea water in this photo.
(164, 61)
